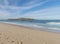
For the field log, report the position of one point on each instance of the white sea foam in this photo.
(53, 23)
(35, 25)
(27, 25)
(54, 28)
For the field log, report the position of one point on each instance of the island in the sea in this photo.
(22, 19)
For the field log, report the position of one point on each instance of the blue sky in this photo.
(37, 9)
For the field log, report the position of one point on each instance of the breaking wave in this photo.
(53, 23)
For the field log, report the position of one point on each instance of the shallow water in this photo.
(44, 24)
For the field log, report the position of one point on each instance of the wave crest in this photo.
(53, 23)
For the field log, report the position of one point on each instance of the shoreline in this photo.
(9, 33)
(38, 29)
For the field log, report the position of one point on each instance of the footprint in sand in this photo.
(0, 33)
(19, 42)
(2, 43)
(12, 41)
(7, 38)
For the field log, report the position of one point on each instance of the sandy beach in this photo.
(11, 34)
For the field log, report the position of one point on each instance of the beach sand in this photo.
(12, 34)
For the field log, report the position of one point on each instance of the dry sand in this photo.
(10, 34)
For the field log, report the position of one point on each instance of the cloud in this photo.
(48, 13)
(6, 10)
(37, 4)
(6, 2)
(4, 14)
(34, 3)
(29, 5)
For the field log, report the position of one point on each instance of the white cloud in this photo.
(37, 4)
(6, 14)
(29, 5)
(49, 13)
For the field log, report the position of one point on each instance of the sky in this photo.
(37, 9)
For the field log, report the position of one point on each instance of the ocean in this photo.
(50, 25)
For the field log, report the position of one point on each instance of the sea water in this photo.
(53, 25)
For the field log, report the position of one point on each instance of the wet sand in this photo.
(12, 34)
